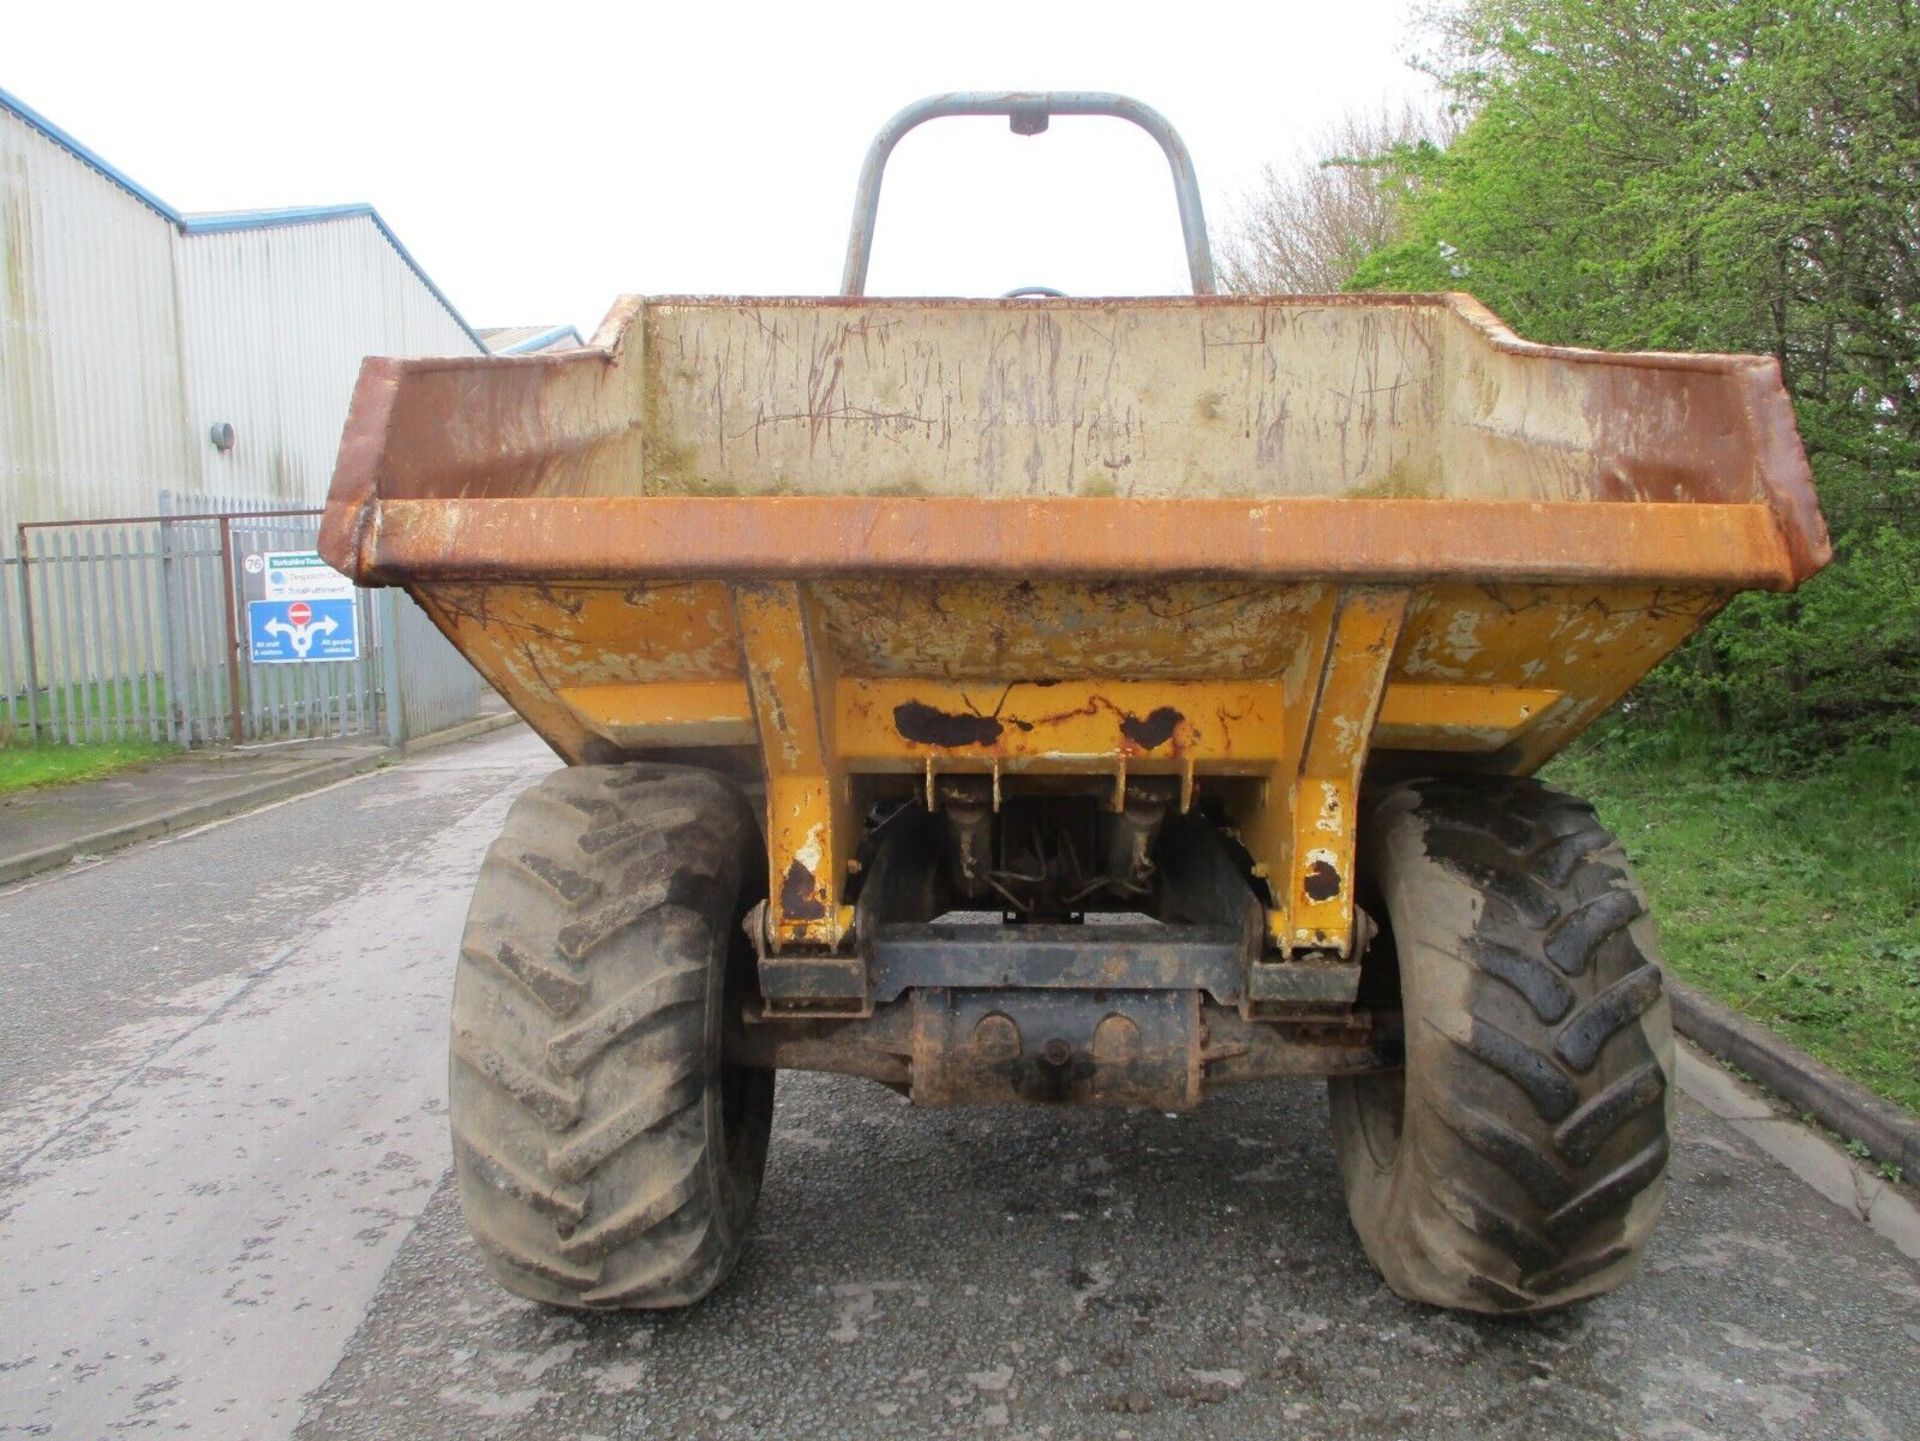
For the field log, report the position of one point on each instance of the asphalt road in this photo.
(224, 1211)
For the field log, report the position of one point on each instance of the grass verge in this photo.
(105, 703)
(27, 767)
(1795, 900)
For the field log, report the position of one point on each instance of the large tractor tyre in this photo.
(1517, 1163)
(607, 1155)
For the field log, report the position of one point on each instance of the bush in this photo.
(1715, 175)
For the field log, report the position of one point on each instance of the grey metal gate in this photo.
(135, 628)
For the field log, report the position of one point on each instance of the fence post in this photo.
(175, 679)
(236, 705)
(388, 601)
(26, 640)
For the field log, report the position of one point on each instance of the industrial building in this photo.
(159, 363)
(143, 350)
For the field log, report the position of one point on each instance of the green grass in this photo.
(103, 700)
(1795, 900)
(25, 766)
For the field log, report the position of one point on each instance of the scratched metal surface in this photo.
(1269, 397)
(1123, 399)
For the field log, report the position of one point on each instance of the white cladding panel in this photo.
(277, 323)
(92, 411)
(123, 341)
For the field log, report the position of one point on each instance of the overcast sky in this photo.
(541, 158)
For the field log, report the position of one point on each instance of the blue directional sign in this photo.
(290, 632)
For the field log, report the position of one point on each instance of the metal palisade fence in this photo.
(139, 629)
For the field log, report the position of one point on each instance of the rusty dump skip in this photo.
(1245, 417)
(1251, 544)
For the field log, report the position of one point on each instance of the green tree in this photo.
(1715, 175)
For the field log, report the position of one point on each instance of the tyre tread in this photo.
(581, 1075)
(1551, 1094)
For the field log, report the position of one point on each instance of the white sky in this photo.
(540, 158)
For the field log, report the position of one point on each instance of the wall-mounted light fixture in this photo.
(221, 435)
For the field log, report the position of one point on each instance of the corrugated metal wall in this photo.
(92, 404)
(123, 341)
(277, 323)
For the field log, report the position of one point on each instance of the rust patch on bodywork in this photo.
(929, 726)
(1321, 882)
(800, 894)
(1152, 730)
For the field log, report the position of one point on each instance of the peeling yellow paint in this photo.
(1281, 691)
(1332, 815)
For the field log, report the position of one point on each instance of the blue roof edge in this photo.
(542, 340)
(219, 222)
(46, 127)
(225, 222)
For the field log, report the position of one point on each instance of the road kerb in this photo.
(1811, 1157)
(464, 731)
(1891, 1133)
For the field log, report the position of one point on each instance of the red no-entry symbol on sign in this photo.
(299, 612)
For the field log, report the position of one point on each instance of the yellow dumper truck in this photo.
(1065, 701)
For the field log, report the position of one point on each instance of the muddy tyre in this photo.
(606, 1155)
(1518, 1161)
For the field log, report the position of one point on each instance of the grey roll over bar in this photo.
(1027, 113)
